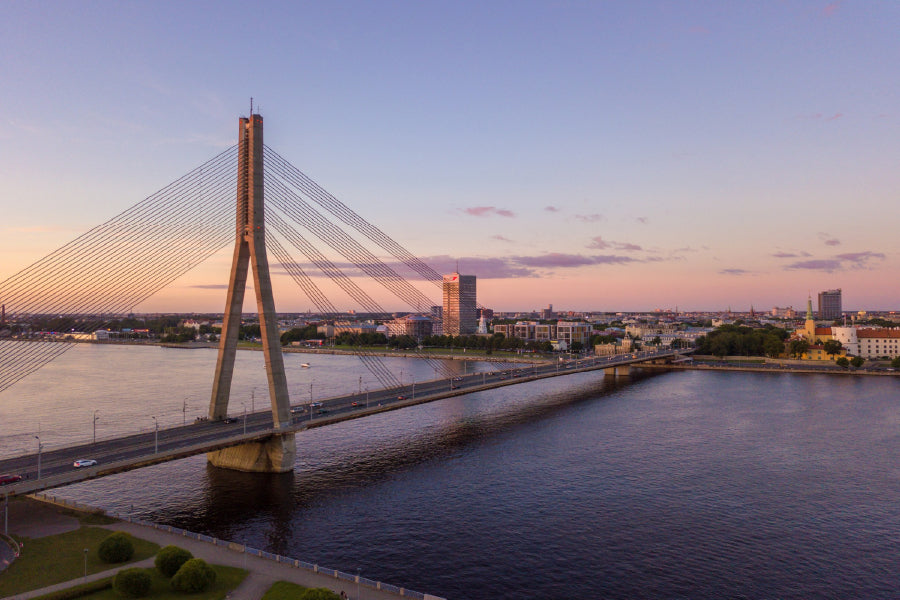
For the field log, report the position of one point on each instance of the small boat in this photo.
(304, 365)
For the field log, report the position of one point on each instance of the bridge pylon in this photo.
(278, 453)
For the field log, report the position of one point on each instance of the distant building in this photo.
(415, 326)
(784, 313)
(547, 313)
(830, 304)
(460, 312)
(437, 320)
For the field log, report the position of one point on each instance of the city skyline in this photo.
(599, 157)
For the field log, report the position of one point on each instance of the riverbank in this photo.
(435, 353)
(46, 515)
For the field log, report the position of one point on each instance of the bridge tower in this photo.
(278, 453)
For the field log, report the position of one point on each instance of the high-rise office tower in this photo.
(460, 314)
(830, 304)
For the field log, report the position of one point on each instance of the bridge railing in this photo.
(244, 549)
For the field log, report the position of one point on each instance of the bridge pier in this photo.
(275, 455)
(619, 371)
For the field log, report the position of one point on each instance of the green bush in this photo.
(193, 576)
(169, 560)
(318, 594)
(132, 583)
(116, 548)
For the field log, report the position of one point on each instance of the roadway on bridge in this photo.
(55, 468)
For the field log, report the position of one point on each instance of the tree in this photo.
(773, 347)
(896, 363)
(170, 559)
(132, 583)
(842, 361)
(857, 361)
(797, 348)
(116, 548)
(193, 576)
(832, 347)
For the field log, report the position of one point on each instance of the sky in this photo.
(608, 156)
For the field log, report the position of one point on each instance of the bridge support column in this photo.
(620, 371)
(275, 455)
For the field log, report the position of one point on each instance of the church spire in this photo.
(809, 312)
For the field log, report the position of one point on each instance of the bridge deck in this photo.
(148, 448)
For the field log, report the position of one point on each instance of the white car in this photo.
(85, 462)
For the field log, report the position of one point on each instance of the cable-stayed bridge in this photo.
(114, 267)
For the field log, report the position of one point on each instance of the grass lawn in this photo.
(285, 590)
(57, 558)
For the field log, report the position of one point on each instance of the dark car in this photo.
(8, 479)
(230, 420)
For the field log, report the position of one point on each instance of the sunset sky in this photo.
(593, 155)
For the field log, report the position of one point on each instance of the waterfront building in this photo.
(460, 311)
(437, 320)
(830, 304)
(415, 326)
(574, 331)
(525, 330)
(877, 343)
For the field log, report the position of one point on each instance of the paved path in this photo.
(263, 572)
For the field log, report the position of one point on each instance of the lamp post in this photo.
(184, 412)
(253, 400)
(310, 392)
(96, 418)
(244, 404)
(359, 390)
(40, 447)
(155, 435)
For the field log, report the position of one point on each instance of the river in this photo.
(667, 485)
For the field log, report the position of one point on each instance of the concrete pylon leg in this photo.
(278, 453)
(620, 371)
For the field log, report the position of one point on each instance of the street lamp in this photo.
(359, 391)
(40, 447)
(253, 400)
(96, 418)
(155, 435)
(244, 404)
(184, 412)
(310, 392)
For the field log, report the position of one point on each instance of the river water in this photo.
(673, 485)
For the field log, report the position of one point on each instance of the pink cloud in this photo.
(642, 220)
(597, 243)
(500, 238)
(592, 218)
(831, 8)
(487, 211)
(835, 117)
(551, 209)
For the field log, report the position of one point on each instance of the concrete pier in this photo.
(276, 455)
